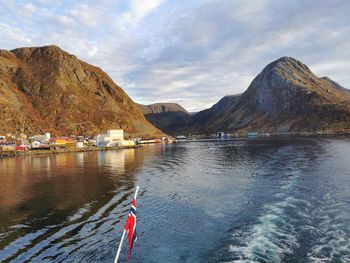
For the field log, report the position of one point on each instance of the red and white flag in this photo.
(130, 226)
(129, 229)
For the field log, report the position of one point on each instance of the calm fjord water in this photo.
(285, 200)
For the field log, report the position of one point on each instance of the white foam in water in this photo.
(274, 235)
(334, 242)
(271, 238)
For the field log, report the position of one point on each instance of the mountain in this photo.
(215, 114)
(285, 96)
(171, 118)
(48, 89)
(336, 85)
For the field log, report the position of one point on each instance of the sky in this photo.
(186, 51)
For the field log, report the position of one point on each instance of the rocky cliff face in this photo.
(171, 118)
(47, 89)
(285, 96)
(214, 115)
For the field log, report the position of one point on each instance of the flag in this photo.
(130, 226)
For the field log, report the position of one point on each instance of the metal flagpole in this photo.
(124, 232)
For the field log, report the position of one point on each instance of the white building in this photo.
(110, 139)
(35, 144)
(41, 138)
(79, 144)
(2, 139)
(223, 135)
(115, 134)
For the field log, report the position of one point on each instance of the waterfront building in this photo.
(253, 134)
(62, 141)
(43, 138)
(223, 135)
(113, 138)
(38, 145)
(79, 144)
(2, 139)
(21, 148)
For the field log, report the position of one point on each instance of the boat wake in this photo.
(307, 216)
(274, 234)
(333, 242)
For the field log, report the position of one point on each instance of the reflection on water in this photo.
(40, 196)
(61, 179)
(261, 200)
(115, 160)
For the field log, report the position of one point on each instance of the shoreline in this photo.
(270, 136)
(67, 150)
(8, 154)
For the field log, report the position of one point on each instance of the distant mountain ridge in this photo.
(48, 89)
(161, 108)
(171, 118)
(286, 96)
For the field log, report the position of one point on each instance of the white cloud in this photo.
(65, 21)
(86, 15)
(191, 52)
(30, 8)
(13, 35)
(93, 51)
(139, 9)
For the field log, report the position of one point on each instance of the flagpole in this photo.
(124, 232)
(120, 247)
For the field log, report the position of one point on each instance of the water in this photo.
(285, 200)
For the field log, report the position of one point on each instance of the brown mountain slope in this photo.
(285, 96)
(215, 114)
(47, 89)
(171, 118)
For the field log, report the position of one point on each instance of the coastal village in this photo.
(45, 143)
(113, 139)
(11, 145)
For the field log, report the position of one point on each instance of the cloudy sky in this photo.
(186, 51)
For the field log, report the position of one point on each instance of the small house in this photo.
(8, 147)
(223, 135)
(38, 145)
(79, 144)
(44, 138)
(2, 139)
(21, 148)
(62, 141)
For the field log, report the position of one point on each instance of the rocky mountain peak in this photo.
(287, 69)
(27, 53)
(285, 96)
(52, 90)
(288, 63)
